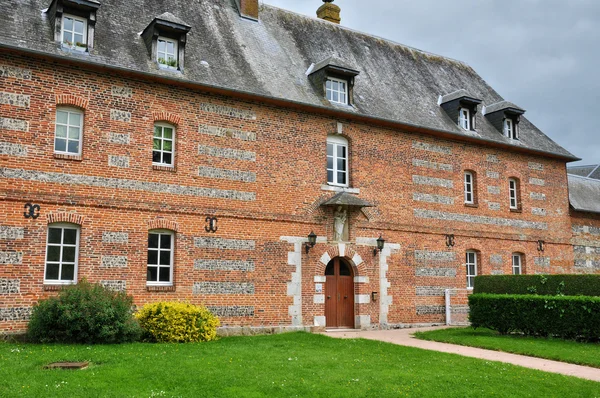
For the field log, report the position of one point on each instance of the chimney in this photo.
(248, 9)
(329, 12)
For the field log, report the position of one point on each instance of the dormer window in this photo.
(73, 23)
(74, 33)
(167, 53)
(464, 119)
(333, 80)
(505, 116)
(461, 107)
(165, 38)
(336, 91)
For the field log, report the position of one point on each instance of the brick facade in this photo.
(260, 171)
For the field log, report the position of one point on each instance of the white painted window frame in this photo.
(68, 125)
(513, 194)
(62, 226)
(175, 52)
(335, 142)
(517, 266)
(464, 122)
(468, 263)
(469, 180)
(62, 29)
(162, 139)
(329, 91)
(161, 232)
(510, 129)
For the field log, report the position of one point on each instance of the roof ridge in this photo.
(593, 171)
(263, 4)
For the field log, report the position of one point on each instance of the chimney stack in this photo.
(248, 9)
(329, 12)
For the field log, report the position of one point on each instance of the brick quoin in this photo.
(263, 177)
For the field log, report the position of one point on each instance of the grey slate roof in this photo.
(346, 199)
(590, 171)
(584, 193)
(498, 106)
(167, 16)
(455, 95)
(270, 57)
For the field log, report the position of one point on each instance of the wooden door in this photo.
(339, 295)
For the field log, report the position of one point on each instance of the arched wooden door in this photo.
(339, 294)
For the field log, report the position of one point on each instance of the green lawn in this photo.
(288, 365)
(557, 349)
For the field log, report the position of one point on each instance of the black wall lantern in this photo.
(541, 245)
(312, 241)
(373, 296)
(450, 241)
(380, 244)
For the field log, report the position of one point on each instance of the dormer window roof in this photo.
(505, 116)
(334, 79)
(74, 23)
(461, 107)
(165, 38)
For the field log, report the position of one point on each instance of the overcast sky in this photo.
(543, 55)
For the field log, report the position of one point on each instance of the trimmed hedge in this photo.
(84, 314)
(545, 285)
(559, 316)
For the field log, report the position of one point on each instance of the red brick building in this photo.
(181, 152)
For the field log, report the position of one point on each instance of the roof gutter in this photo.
(286, 103)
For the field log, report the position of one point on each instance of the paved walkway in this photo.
(404, 337)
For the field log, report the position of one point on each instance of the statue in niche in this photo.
(340, 225)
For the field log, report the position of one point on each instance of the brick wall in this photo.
(261, 171)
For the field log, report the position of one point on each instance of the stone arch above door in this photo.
(341, 250)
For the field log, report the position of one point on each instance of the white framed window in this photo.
(517, 264)
(336, 90)
(62, 252)
(469, 190)
(510, 129)
(74, 32)
(166, 53)
(161, 244)
(464, 118)
(513, 193)
(471, 264)
(337, 161)
(68, 131)
(163, 145)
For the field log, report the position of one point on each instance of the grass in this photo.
(288, 365)
(559, 350)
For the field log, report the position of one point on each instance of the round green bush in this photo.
(85, 314)
(173, 322)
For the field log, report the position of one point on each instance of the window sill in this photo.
(473, 205)
(516, 210)
(56, 288)
(172, 169)
(169, 68)
(64, 156)
(151, 288)
(335, 188)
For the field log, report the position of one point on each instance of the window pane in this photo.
(61, 117)
(170, 47)
(73, 147)
(68, 272)
(344, 270)
(343, 98)
(152, 274)
(168, 133)
(330, 176)
(335, 96)
(152, 257)
(61, 131)
(168, 146)
(78, 26)
(167, 158)
(68, 24)
(53, 253)
(52, 271)
(68, 37)
(165, 274)
(328, 84)
(157, 144)
(329, 149)
(165, 258)
(341, 178)
(153, 241)
(74, 119)
(341, 151)
(70, 236)
(60, 145)
(165, 241)
(330, 270)
(341, 165)
(156, 157)
(330, 163)
(68, 254)
(161, 46)
(78, 39)
(54, 235)
(74, 133)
